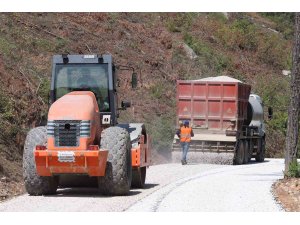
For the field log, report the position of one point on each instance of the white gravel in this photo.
(232, 189)
(87, 199)
(220, 79)
(173, 187)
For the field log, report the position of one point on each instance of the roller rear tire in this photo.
(138, 177)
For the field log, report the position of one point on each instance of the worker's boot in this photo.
(183, 162)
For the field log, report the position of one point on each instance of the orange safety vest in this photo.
(185, 134)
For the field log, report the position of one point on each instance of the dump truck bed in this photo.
(216, 108)
(212, 105)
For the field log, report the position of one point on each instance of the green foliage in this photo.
(157, 90)
(161, 129)
(241, 34)
(44, 89)
(207, 55)
(6, 109)
(43, 44)
(284, 22)
(220, 17)
(274, 93)
(6, 47)
(275, 51)
(294, 169)
(181, 22)
(60, 44)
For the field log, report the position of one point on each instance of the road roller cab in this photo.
(82, 136)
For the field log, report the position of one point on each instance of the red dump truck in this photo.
(226, 119)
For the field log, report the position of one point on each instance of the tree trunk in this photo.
(294, 107)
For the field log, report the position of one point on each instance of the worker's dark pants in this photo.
(185, 148)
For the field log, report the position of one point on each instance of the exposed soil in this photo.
(9, 189)
(11, 183)
(287, 193)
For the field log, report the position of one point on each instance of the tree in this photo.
(294, 107)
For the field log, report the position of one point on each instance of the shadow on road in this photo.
(254, 162)
(92, 192)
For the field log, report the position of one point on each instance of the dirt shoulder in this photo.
(10, 189)
(287, 193)
(11, 180)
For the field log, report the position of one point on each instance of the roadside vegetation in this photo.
(236, 45)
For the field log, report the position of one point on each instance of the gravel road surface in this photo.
(173, 187)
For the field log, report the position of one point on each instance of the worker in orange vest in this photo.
(184, 134)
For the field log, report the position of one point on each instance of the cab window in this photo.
(84, 77)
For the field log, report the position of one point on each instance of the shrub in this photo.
(220, 17)
(275, 51)
(6, 109)
(41, 44)
(6, 47)
(180, 22)
(157, 90)
(60, 44)
(294, 169)
(162, 130)
(241, 34)
(274, 92)
(284, 22)
(207, 55)
(44, 89)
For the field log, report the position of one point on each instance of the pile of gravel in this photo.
(220, 79)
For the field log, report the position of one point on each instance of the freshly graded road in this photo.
(173, 187)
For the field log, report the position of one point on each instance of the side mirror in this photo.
(134, 80)
(125, 104)
(270, 113)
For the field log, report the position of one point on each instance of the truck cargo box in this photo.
(213, 104)
(227, 121)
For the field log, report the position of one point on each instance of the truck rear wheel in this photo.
(251, 146)
(260, 155)
(240, 152)
(35, 184)
(118, 173)
(138, 177)
(246, 149)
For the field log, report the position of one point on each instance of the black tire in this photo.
(239, 155)
(118, 173)
(138, 177)
(260, 155)
(35, 184)
(246, 154)
(251, 146)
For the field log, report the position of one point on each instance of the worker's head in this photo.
(186, 123)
